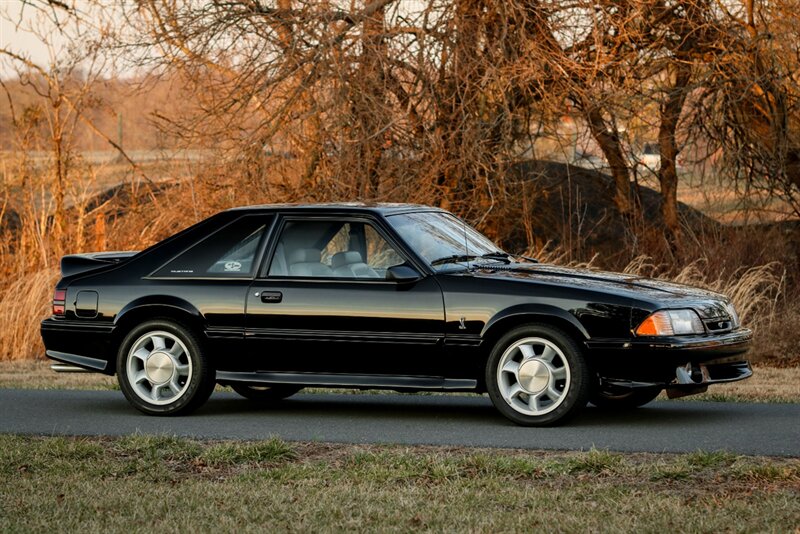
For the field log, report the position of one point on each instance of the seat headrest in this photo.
(345, 258)
(305, 255)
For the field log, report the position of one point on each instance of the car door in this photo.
(323, 304)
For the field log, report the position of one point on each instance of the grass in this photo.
(36, 374)
(169, 484)
(754, 291)
(768, 384)
(24, 302)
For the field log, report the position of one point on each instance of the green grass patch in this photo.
(703, 459)
(595, 461)
(142, 483)
(670, 472)
(234, 453)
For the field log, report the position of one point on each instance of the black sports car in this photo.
(271, 299)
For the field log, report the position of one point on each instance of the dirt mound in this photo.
(574, 207)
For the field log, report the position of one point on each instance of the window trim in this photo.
(257, 258)
(278, 227)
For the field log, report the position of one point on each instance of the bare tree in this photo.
(63, 87)
(434, 102)
(748, 108)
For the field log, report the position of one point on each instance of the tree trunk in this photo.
(453, 98)
(611, 146)
(372, 105)
(59, 180)
(668, 149)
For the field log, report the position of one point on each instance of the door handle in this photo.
(271, 297)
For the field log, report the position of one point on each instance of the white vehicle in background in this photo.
(649, 157)
(645, 161)
(588, 160)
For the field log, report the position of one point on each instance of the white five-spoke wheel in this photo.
(536, 375)
(533, 376)
(159, 367)
(162, 369)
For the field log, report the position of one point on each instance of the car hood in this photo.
(659, 292)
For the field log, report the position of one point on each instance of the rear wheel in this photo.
(536, 376)
(623, 399)
(162, 370)
(265, 393)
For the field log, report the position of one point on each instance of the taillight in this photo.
(59, 301)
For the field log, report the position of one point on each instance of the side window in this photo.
(340, 242)
(380, 255)
(228, 252)
(332, 249)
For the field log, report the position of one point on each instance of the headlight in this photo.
(733, 314)
(671, 323)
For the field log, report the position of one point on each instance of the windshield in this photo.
(442, 238)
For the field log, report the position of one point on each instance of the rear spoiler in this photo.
(80, 263)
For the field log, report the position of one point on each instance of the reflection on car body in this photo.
(272, 299)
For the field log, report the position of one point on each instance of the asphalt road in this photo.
(676, 426)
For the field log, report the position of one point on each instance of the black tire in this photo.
(623, 399)
(191, 371)
(263, 393)
(571, 392)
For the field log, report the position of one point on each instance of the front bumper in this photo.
(731, 343)
(691, 377)
(646, 362)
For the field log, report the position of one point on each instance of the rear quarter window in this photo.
(231, 251)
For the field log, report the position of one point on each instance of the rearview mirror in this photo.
(402, 273)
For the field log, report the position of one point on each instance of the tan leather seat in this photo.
(349, 264)
(306, 262)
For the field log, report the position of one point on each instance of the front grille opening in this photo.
(719, 325)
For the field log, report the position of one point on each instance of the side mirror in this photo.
(402, 274)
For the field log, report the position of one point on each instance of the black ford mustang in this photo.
(271, 299)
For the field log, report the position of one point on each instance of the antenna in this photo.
(466, 241)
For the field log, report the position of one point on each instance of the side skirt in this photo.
(342, 380)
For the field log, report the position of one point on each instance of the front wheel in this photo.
(537, 376)
(162, 370)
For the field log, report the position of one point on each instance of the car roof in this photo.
(384, 208)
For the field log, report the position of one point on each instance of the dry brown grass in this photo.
(755, 291)
(768, 384)
(36, 374)
(23, 304)
(143, 215)
(765, 295)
